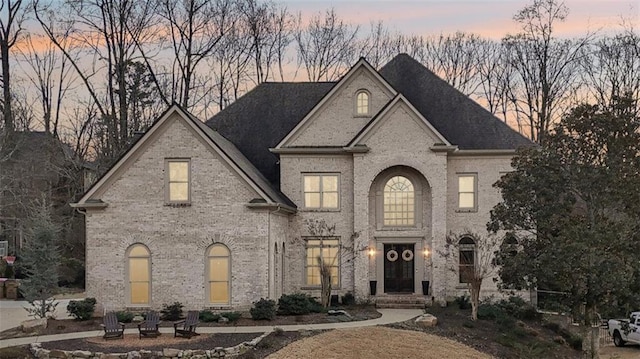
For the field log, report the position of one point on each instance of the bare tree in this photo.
(326, 46)
(478, 251)
(545, 66)
(12, 16)
(107, 31)
(195, 29)
(456, 58)
(269, 27)
(47, 70)
(612, 68)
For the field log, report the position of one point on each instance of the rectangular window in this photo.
(467, 192)
(328, 249)
(321, 191)
(178, 181)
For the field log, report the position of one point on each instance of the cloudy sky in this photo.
(491, 18)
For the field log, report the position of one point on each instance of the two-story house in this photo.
(225, 213)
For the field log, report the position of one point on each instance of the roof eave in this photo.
(273, 206)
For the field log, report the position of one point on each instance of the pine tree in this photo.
(40, 259)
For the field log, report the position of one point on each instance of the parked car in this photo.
(625, 330)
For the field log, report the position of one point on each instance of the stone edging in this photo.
(219, 352)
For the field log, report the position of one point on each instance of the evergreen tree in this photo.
(39, 259)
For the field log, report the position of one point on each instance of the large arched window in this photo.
(467, 259)
(139, 272)
(399, 202)
(219, 274)
(362, 103)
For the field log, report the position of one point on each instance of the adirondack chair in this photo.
(188, 325)
(149, 327)
(112, 328)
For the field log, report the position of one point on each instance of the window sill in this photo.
(319, 288)
(472, 210)
(462, 286)
(362, 116)
(178, 205)
(390, 228)
(320, 210)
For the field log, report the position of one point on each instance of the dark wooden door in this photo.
(398, 268)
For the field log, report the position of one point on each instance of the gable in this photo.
(399, 121)
(337, 110)
(178, 132)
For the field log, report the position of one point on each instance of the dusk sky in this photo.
(491, 18)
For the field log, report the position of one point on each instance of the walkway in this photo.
(388, 316)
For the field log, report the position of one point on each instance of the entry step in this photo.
(402, 301)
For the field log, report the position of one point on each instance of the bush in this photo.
(294, 304)
(264, 309)
(125, 317)
(172, 312)
(348, 299)
(463, 302)
(208, 316)
(518, 308)
(315, 306)
(232, 316)
(82, 309)
(487, 311)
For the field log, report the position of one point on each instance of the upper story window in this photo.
(399, 202)
(321, 191)
(467, 192)
(178, 176)
(362, 103)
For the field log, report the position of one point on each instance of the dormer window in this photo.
(362, 103)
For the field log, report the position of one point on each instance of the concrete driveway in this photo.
(12, 312)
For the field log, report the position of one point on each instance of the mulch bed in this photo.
(132, 342)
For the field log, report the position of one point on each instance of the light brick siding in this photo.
(177, 236)
(336, 124)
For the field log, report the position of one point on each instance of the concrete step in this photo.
(400, 301)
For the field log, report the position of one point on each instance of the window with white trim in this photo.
(139, 272)
(321, 191)
(219, 274)
(178, 178)
(318, 250)
(467, 259)
(467, 192)
(362, 103)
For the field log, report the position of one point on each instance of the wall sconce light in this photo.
(372, 252)
(426, 252)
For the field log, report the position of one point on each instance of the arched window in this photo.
(399, 202)
(219, 274)
(139, 272)
(362, 103)
(467, 259)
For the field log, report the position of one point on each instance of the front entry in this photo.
(398, 268)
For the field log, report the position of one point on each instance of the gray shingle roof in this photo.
(260, 119)
(459, 119)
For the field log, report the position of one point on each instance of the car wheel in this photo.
(617, 339)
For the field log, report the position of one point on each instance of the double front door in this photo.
(399, 268)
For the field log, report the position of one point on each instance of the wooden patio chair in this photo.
(188, 325)
(112, 328)
(149, 327)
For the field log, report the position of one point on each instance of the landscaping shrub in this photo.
(488, 311)
(294, 304)
(463, 302)
(264, 309)
(208, 316)
(348, 299)
(125, 317)
(278, 332)
(172, 311)
(232, 316)
(518, 308)
(315, 306)
(82, 309)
